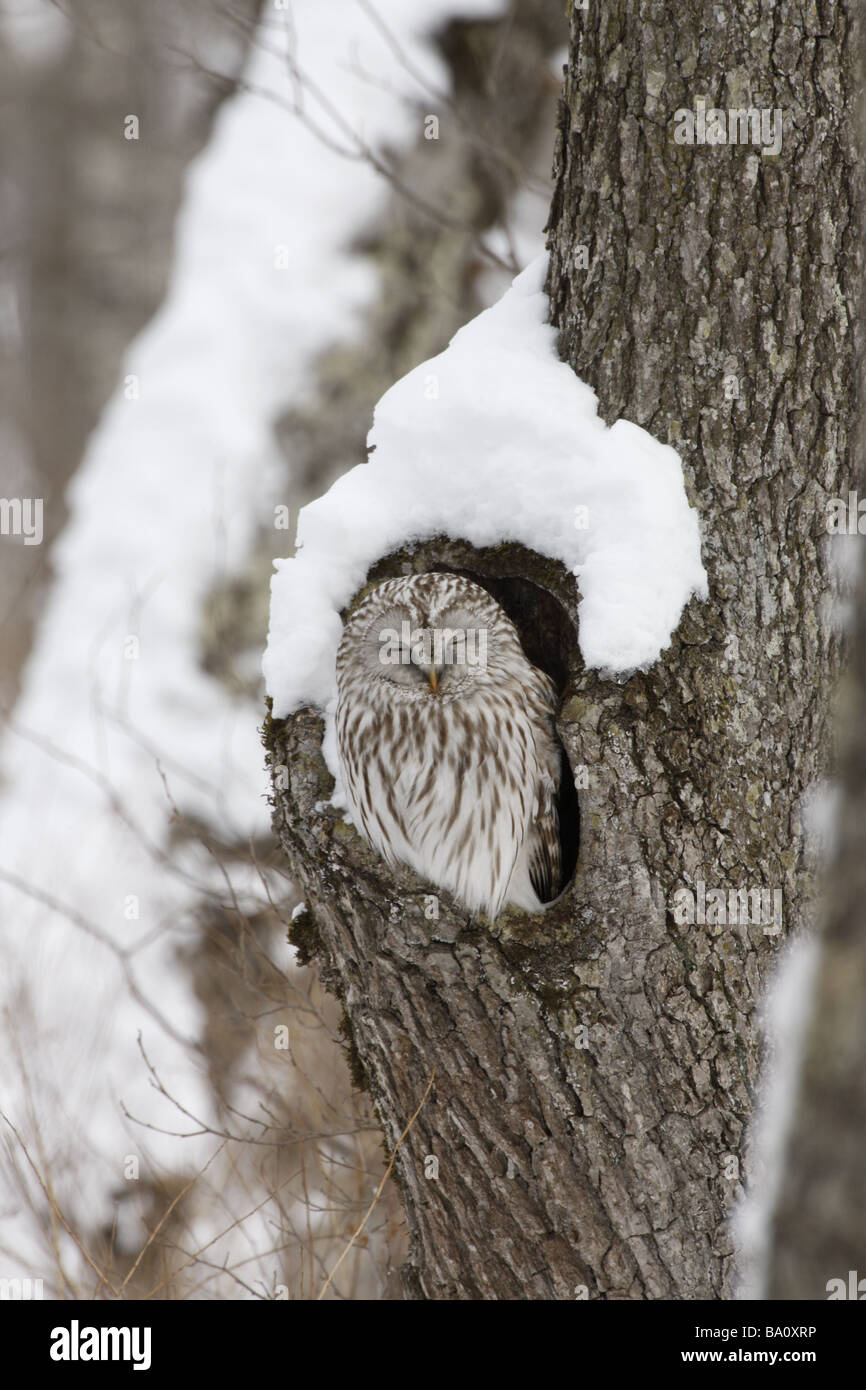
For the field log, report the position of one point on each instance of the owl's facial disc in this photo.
(386, 650)
(428, 657)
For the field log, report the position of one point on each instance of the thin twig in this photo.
(54, 1206)
(378, 1193)
(166, 1214)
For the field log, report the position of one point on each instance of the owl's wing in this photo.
(543, 849)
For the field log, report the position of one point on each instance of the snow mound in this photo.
(496, 440)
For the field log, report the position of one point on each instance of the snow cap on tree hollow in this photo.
(496, 440)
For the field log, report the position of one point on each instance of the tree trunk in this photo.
(820, 1224)
(595, 1066)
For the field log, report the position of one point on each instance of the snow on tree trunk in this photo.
(595, 1066)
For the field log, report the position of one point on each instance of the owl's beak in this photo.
(433, 678)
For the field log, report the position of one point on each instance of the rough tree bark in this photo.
(596, 1066)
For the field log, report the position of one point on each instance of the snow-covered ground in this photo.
(117, 725)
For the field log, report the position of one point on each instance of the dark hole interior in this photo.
(547, 636)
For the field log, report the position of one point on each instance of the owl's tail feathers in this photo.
(535, 881)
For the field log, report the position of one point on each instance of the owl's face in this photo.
(427, 638)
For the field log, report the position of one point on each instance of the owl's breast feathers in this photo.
(462, 789)
(466, 797)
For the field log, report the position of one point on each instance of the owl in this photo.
(447, 743)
